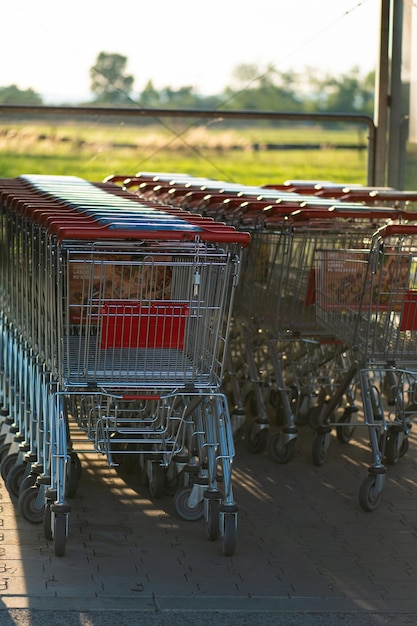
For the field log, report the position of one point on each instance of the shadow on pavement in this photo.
(306, 554)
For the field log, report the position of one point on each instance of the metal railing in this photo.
(138, 113)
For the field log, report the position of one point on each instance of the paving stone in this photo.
(302, 536)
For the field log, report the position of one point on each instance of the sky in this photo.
(49, 45)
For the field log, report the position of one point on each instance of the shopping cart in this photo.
(368, 299)
(115, 315)
(290, 357)
(285, 363)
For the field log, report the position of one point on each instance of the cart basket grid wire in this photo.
(140, 312)
(368, 298)
(277, 286)
(144, 318)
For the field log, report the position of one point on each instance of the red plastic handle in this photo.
(392, 230)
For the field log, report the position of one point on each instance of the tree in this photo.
(150, 97)
(183, 98)
(13, 95)
(253, 89)
(109, 82)
(348, 93)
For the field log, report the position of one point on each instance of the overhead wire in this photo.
(179, 135)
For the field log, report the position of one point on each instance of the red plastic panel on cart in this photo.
(135, 325)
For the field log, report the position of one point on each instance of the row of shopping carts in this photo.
(115, 314)
(325, 316)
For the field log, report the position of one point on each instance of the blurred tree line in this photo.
(251, 88)
(13, 95)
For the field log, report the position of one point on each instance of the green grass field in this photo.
(95, 151)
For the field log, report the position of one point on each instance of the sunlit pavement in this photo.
(306, 552)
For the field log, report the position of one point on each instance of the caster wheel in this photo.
(183, 508)
(237, 434)
(173, 483)
(156, 484)
(73, 476)
(304, 409)
(47, 522)
(369, 495)
(143, 474)
(313, 417)
(7, 463)
(255, 439)
(76, 464)
(250, 403)
(4, 451)
(60, 534)
(281, 453)
(213, 520)
(344, 429)
(396, 445)
(404, 446)
(14, 480)
(28, 481)
(29, 507)
(229, 536)
(319, 450)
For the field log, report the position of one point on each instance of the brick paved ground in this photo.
(306, 551)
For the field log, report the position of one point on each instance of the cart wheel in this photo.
(4, 451)
(156, 484)
(229, 536)
(213, 520)
(28, 506)
(190, 514)
(250, 403)
(304, 407)
(237, 434)
(174, 481)
(76, 463)
(7, 463)
(60, 534)
(171, 485)
(404, 446)
(344, 429)
(14, 479)
(47, 522)
(319, 450)
(143, 475)
(395, 446)
(281, 453)
(369, 495)
(255, 439)
(28, 481)
(73, 476)
(314, 414)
